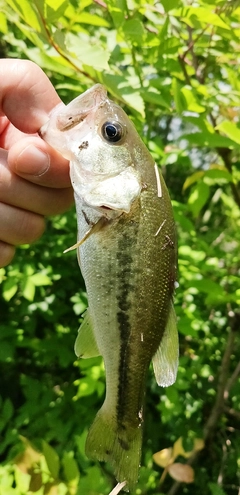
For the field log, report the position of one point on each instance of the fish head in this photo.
(98, 138)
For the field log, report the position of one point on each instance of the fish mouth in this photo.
(79, 108)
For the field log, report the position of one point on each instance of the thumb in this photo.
(34, 160)
(27, 95)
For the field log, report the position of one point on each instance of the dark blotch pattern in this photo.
(125, 277)
(124, 445)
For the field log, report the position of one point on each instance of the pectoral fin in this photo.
(85, 345)
(93, 229)
(165, 361)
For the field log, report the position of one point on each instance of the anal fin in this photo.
(165, 361)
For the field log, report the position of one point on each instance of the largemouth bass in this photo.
(127, 255)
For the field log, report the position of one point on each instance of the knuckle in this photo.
(7, 253)
(31, 228)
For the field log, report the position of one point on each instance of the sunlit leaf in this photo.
(178, 448)
(181, 472)
(10, 288)
(94, 20)
(179, 98)
(198, 197)
(170, 4)
(39, 279)
(205, 15)
(3, 23)
(117, 9)
(28, 12)
(164, 457)
(55, 9)
(52, 459)
(28, 288)
(230, 129)
(92, 55)
(192, 179)
(191, 102)
(28, 458)
(70, 467)
(133, 30)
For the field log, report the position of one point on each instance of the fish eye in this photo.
(112, 131)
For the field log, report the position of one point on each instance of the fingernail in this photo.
(32, 161)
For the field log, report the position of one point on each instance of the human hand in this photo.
(34, 178)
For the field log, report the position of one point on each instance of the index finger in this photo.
(26, 94)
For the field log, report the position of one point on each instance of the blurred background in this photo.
(174, 67)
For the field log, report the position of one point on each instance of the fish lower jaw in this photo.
(109, 212)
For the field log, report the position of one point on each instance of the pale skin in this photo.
(34, 178)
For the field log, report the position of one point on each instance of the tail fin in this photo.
(119, 446)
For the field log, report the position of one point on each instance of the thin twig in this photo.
(182, 62)
(118, 488)
(193, 42)
(61, 52)
(225, 154)
(231, 381)
(218, 408)
(232, 412)
(101, 3)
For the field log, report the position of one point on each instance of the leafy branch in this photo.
(225, 383)
(61, 52)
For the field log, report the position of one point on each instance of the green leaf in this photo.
(133, 30)
(209, 140)
(218, 174)
(52, 459)
(7, 409)
(10, 287)
(204, 15)
(6, 351)
(86, 387)
(22, 481)
(216, 489)
(93, 55)
(117, 10)
(28, 12)
(230, 129)
(198, 198)
(70, 467)
(178, 96)
(192, 179)
(134, 100)
(155, 97)
(191, 103)
(3, 23)
(55, 9)
(2, 275)
(92, 19)
(39, 279)
(28, 288)
(170, 4)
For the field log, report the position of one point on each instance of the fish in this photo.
(127, 253)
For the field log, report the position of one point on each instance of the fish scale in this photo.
(127, 254)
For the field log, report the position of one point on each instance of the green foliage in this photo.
(174, 66)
